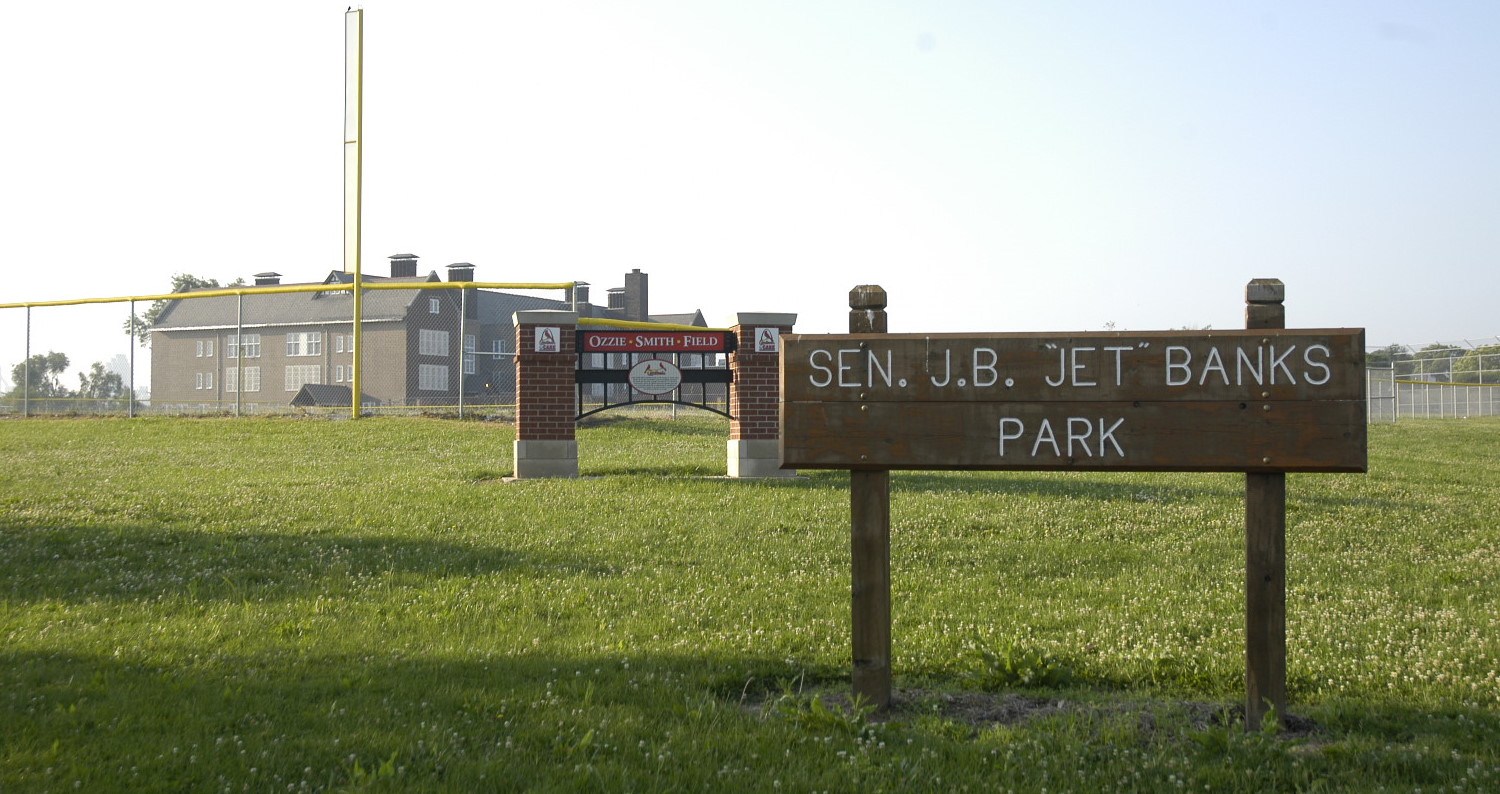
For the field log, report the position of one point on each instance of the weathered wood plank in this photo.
(1320, 435)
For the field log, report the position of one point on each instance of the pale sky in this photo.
(999, 166)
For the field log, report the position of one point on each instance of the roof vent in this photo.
(460, 271)
(267, 279)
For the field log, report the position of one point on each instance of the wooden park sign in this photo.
(1263, 401)
(1202, 401)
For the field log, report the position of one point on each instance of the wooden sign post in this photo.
(1264, 401)
(1265, 549)
(870, 541)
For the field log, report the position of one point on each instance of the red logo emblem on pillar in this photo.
(547, 339)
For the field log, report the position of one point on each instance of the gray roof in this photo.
(695, 318)
(309, 308)
(326, 395)
(294, 308)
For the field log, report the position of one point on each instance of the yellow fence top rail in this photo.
(1439, 383)
(277, 289)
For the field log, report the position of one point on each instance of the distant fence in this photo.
(1392, 399)
(1442, 380)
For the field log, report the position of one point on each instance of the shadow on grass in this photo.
(135, 562)
(272, 720)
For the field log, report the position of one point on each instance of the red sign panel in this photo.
(654, 341)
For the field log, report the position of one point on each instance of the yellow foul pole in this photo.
(354, 87)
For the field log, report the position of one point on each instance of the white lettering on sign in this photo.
(1147, 366)
(1082, 437)
(1077, 366)
(843, 365)
(1250, 367)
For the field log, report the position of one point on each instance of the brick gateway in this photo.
(552, 371)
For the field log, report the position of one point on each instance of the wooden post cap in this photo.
(867, 296)
(1265, 290)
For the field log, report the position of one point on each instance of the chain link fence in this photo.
(428, 347)
(419, 346)
(1441, 380)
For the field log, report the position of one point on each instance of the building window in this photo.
(197, 380)
(249, 345)
(307, 343)
(297, 376)
(432, 343)
(208, 380)
(432, 377)
(208, 348)
(469, 348)
(338, 343)
(198, 349)
(252, 378)
(338, 374)
(434, 306)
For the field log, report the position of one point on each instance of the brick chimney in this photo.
(267, 279)
(403, 265)
(635, 297)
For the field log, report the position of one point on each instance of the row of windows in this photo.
(310, 343)
(234, 345)
(430, 377)
(432, 343)
(298, 376)
(304, 343)
(232, 379)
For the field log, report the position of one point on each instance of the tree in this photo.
(1388, 356)
(40, 376)
(1480, 365)
(101, 384)
(1433, 362)
(181, 282)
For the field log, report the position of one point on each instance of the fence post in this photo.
(1265, 550)
(239, 353)
(26, 370)
(130, 400)
(870, 541)
(463, 352)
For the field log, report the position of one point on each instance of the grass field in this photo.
(298, 605)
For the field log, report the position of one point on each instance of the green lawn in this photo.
(310, 605)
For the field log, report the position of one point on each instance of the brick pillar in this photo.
(754, 397)
(546, 400)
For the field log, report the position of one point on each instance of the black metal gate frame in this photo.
(700, 376)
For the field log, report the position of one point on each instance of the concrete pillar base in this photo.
(546, 459)
(756, 458)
